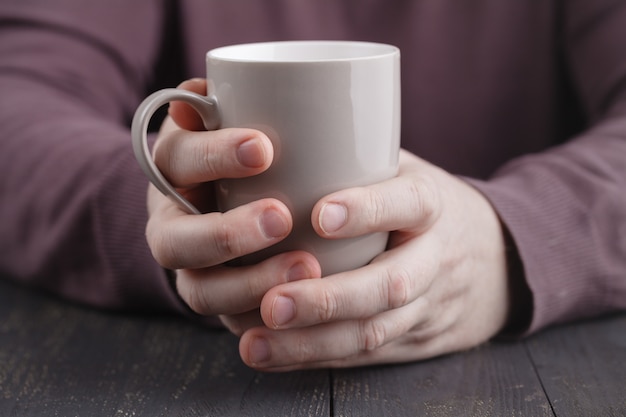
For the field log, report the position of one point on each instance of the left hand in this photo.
(440, 287)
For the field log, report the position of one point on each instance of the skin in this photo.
(440, 287)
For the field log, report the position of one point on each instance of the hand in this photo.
(440, 287)
(197, 246)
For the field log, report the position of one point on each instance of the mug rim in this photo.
(265, 52)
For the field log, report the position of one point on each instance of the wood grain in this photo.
(493, 380)
(62, 360)
(58, 359)
(583, 367)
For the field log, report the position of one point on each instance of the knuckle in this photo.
(373, 334)
(424, 197)
(224, 242)
(168, 158)
(397, 286)
(206, 159)
(377, 208)
(162, 153)
(197, 299)
(328, 307)
(305, 350)
(256, 288)
(162, 248)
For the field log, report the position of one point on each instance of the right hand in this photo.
(198, 246)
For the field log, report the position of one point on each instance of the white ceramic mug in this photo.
(332, 112)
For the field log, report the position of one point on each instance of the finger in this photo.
(297, 270)
(181, 241)
(237, 324)
(388, 284)
(189, 158)
(183, 114)
(228, 290)
(433, 341)
(267, 349)
(409, 201)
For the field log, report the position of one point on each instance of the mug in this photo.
(332, 112)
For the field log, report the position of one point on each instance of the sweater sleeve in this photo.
(566, 208)
(73, 210)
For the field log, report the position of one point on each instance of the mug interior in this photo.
(302, 51)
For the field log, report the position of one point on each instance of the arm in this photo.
(73, 214)
(566, 208)
(443, 283)
(442, 286)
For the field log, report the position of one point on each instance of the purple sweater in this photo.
(525, 99)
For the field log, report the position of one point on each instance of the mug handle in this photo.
(206, 108)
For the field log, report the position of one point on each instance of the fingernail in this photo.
(333, 217)
(297, 272)
(251, 153)
(259, 351)
(273, 224)
(283, 310)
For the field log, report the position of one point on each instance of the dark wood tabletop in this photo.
(59, 359)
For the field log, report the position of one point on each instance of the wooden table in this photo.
(58, 359)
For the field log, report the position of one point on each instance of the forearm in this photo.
(73, 218)
(565, 210)
(566, 207)
(73, 210)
